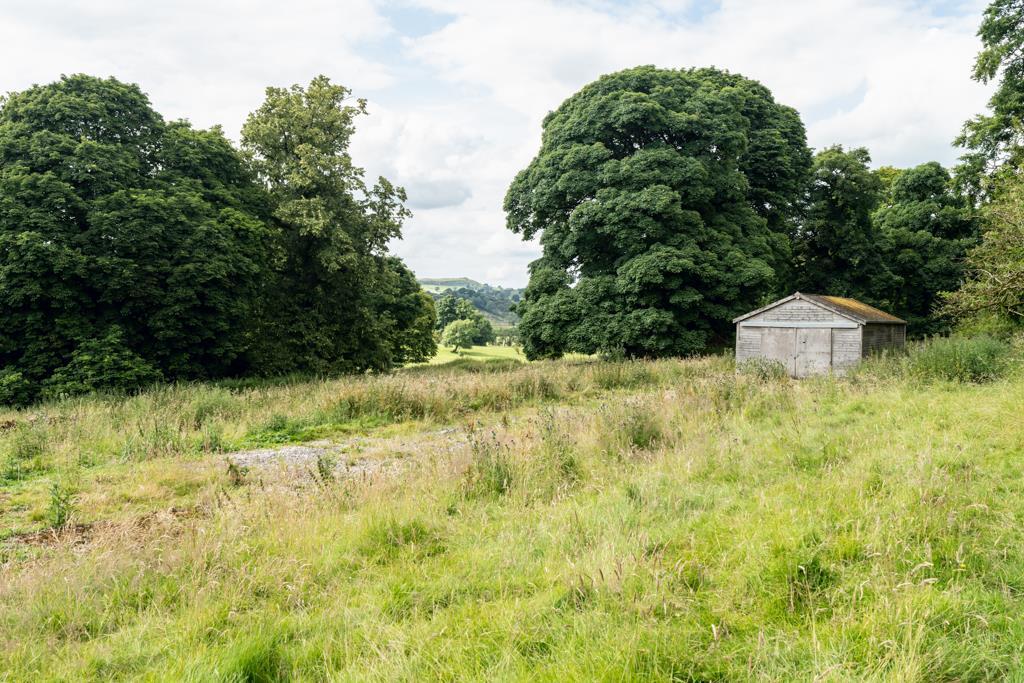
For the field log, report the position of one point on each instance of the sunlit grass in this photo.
(550, 521)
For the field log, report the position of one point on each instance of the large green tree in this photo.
(995, 141)
(925, 230)
(662, 199)
(994, 287)
(836, 248)
(338, 302)
(117, 225)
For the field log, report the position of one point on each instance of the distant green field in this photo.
(444, 284)
(446, 355)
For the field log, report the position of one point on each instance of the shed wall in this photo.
(797, 311)
(879, 337)
(748, 342)
(846, 351)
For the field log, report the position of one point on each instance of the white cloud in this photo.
(456, 112)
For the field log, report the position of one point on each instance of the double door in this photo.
(802, 350)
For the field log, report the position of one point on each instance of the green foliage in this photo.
(960, 359)
(925, 230)
(207, 263)
(995, 284)
(451, 308)
(496, 303)
(995, 141)
(62, 505)
(662, 199)
(15, 390)
(104, 364)
(835, 248)
(336, 302)
(763, 369)
(459, 334)
(111, 216)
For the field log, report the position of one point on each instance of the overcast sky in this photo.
(458, 88)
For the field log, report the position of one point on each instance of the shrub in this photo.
(15, 390)
(763, 369)
(104, 364)
(61, 505)
(960, 359)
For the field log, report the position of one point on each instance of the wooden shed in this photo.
(812, 334)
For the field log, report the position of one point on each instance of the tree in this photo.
(662, 199)
(926, 230)
(995, 141)
(459, 334)
(836, 248)
(330, 307)
(116, 224)
(995, 283)
(448, 310)
(451, 308)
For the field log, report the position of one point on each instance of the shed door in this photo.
(813, 351)
(779, 343)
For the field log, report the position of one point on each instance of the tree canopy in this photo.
(662, 199)
(132, 248)
(926, 230)
(112, 218)
(337, 303)
(836, 246)
(995, 140)
(994, 287)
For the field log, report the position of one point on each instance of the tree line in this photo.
(668, 202)
(134, 249)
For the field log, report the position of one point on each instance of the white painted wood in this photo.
(779, 343)
(813, 352)
(835, 324)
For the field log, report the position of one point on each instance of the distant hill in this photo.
(493, 302)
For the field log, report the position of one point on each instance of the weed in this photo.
(490, 472)
(237, 474)
(62, 505)
(762, 369)
(325, 465)
(960, 359)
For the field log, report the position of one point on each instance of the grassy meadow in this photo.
(575, 520)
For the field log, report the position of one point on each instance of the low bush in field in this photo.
(764, 369)
(960, 359)
(971, 359)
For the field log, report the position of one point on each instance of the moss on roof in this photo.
(852, 307)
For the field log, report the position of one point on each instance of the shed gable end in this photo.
(795, 311)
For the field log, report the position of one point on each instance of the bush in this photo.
(104, 364)
(764, 369)
(960, 359)
(15, 390)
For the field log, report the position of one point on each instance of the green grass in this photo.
(477, 353)
(560, 521)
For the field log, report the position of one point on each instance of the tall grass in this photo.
(694, 525)
(970, 359)
(198, 419)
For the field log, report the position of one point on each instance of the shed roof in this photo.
(857, 311)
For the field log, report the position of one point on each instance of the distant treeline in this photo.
(497, 303)
(134, 249)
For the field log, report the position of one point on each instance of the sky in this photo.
(457, 89)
